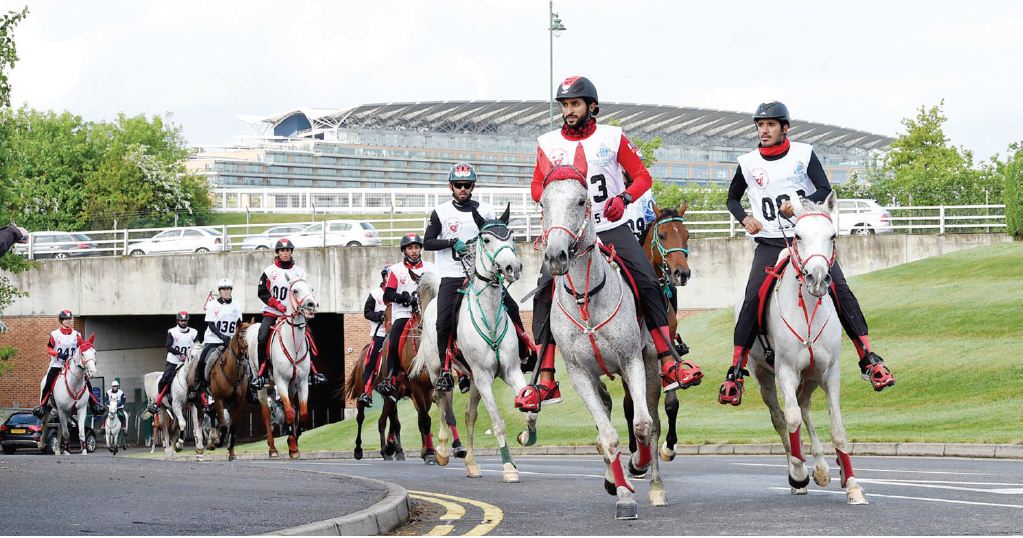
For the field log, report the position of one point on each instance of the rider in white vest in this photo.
(773, 175)
(451, 226)
(222, 318)
(374, 311)
(275, 292)
(65, 342)
(179, 339)
(639, 215)
(400, 293)
(115, 394)
(610, 156)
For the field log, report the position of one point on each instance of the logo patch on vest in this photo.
(760, 176)
(800, 169)
(558, 156)
(454, 224)
(603, 154)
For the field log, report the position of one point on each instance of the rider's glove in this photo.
(459, 247)
(63, 354)
(276, 304)
(614, 209)
(404, 299)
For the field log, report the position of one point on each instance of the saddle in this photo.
(773, 274)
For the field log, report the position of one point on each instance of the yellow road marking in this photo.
(455, 511)
(492, 515)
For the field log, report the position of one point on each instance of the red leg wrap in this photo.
(428, 441)
(845, 462)
(795, 445)
(618, 473)
(645, 456)
(454, 433)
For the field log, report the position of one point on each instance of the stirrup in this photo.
(444, 382)
(874, 370)
(733, 387)
(365, 399)
(464, 383)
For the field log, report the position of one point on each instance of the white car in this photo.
(268, 239)
(348, 233)
(861, 216)
(181, 240)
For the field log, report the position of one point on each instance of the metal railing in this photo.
(525, 222)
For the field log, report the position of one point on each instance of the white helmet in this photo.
(225, 283)
(115, 384)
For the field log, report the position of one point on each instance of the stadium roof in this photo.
(675, 125)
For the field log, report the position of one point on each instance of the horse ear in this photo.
(831, 204)
(506, 216)
(657, 210)
(287, 278)
(92, 338)
(580, 160)
(543, 163)
(478, 219)
(682, 207)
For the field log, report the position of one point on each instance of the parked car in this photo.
(23, 429)
(267, 239)
(860, 216)
(59, 245)
(348, 233)
(195, 239)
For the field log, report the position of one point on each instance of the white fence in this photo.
(355, 201)
(525, 223)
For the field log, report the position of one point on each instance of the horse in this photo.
(229, 375)
(485, 337)
(806, 341)
(601, 336)
(70, 395)
(290, 350)
(149, 384)
(389, 447)
(113, 427)
(172, 417)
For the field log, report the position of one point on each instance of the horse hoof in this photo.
(626, 509)
(433, 459)
(358, 454)
(666, 453)
(798, 491)
(799, 484)
(473, 471)
(855, 495)
(274, 454)
(821, 477)
(658, 498)
(294, 455)
(610, 488)
(388, 457)
(232, 457)
(511, 477)
(526, 438)
(400, 456)
(460, 452)
(637, 473)
(199, 457)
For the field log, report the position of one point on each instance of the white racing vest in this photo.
(181, 342)
(279, 280)
(640, 214)
(225, 316)
(606, 179)
(64, 343)
(455, 224)
(769, 183)
(376, 328)
(405, 283)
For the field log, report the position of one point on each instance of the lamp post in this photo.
(554, 28)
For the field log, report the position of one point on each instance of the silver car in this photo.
(197, 239)
(861, 216)
(267, 239)
(347, 233)
(57, 245)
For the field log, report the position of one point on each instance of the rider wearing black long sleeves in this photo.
(374, 310)
(778, 170)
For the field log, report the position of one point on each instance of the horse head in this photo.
(87, 357)
(497, 247)
(568, 223)
(112, 409)
(813, 243)
(303, 302)
(669, 244)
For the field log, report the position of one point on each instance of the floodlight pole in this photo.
(554, 28)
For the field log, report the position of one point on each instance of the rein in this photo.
(297, 328)
(492, 334)
(80, 363)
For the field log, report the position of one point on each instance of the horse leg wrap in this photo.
(618, 473)
(795, 446)
(645, 456)
(454, 432)
(845, 462)
(506, 455)
(428, 441)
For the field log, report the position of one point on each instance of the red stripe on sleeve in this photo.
(628, 157)
(536, 187)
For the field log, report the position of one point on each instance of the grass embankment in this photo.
(950, 328)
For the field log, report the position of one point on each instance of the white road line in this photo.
(1006, 491)
(532, 472)
(276, 464)
(858, 469)
(920, 481)
(951, 501)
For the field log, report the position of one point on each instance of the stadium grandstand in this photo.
(412, 145)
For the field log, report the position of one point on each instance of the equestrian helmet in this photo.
(64, 314)
(284, 243)
(115, 384)
(182, 316)
(775, 110)
(411, 238)
(386, 270)
(225, 283)
(462, 171)
(576, 86)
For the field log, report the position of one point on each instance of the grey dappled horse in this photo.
(71, 397)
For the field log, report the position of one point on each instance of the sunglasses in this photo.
(463, 185)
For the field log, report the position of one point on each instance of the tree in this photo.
(1009, 174)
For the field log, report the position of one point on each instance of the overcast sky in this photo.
(863, 64)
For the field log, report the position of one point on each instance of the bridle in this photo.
(79, 361)
(658, 246)
(296, 327)
(492, 331)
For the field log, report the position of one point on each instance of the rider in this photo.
(451, 226)
(115, 394)
(609, 155)
(179, 340)
(400, 293)
(374, 312)
(274, 290)
(772, 174)
(64, 343)
(221, 323)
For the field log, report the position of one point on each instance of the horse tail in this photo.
(353, 385)
(428, 287)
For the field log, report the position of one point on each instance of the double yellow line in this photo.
(455, 510)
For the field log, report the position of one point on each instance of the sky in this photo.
(863, 65)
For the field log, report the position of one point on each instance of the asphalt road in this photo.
(730, 495)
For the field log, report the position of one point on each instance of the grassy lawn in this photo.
(950, 328)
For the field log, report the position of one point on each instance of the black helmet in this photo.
(182, 316)
(411, 238)
(284, 243)
(386, 270)
(578, 87)
(64, 314)
(462, 171)
(772, 110)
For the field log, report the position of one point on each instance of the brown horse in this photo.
(389, 449)
(229, 381)
(666, 244)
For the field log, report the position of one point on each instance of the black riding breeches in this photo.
(51, 375)
(393, 346)
(766, 257)
(448, 301)
(168, 375)
(200, 371)
(370, 367)
(264, 336)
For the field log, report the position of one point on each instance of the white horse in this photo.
(172, 417)
(804, 331)
(149, 383)
(291, 359)
(71, 395)
(486, 338)
(113, 427)
(594, 322)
